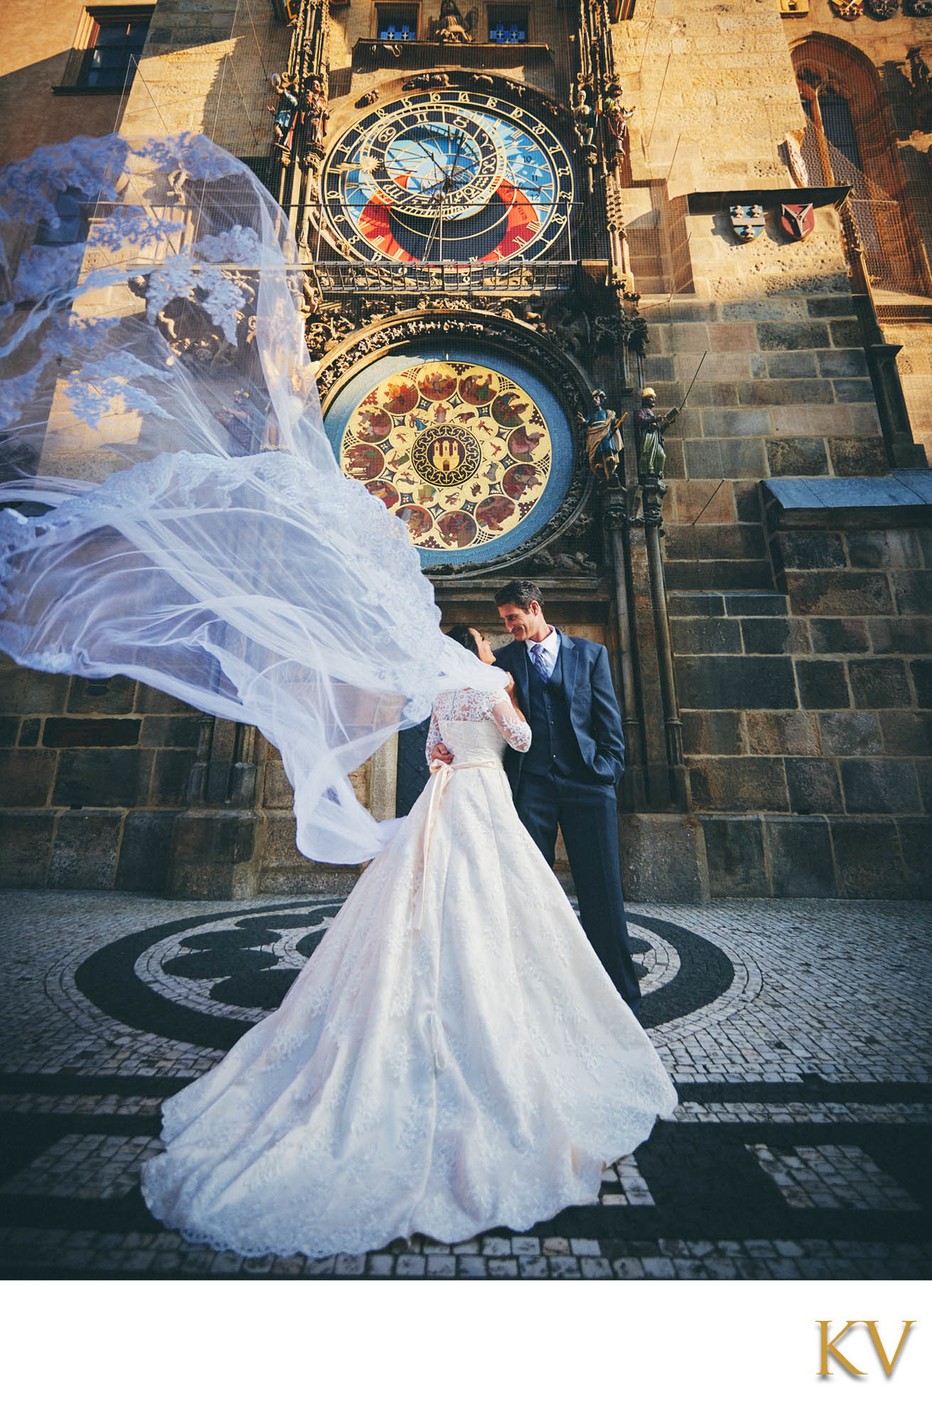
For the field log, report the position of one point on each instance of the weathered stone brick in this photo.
(715, 732)
(755, 604)
(880, 786)
(786, 392)
(793, 335)
(743, 458)
(24, 692)
(828, 307)
(145, 852)
(852, 732)
(735, 854)
(921, 672)
(840, 593)
(868, 858)
(756, 783)
(902, 633)
(25, 845)
(777, 732)
(906, 732)
(813, 786)
(774, 636)
(692, 311)
(171, 731)
(822, 685)
(116, 696)
(801, 862)
(735, 335)
(846, 333)
(842, 364)
(735, 423)
(9, 729)
(878, 683)
(716, 394)
(792, 365)
(716, 542)
(916, 846)
(697, 604)
(698, 635)
(737, 683)
(897, 547)
(26, 777)
(706, 498)
(150, 701)
(78, 730)
(84, 854)
(856, 456)
(702, 458)
(102, 778)
(811, 549)
(170, 777)
(913, 592)
(837, 634)
(853, 391)
(789, 458)
(30, 732)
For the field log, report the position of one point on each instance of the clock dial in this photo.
(460, 452)
(452, 177)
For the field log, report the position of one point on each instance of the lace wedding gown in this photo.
(452, 1058)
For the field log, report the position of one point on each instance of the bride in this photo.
(453, 1057)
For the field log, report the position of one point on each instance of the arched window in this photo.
(847, 143)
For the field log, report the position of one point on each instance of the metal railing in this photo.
(474, 278)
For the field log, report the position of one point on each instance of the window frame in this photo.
(75, 78)
(497, 12)
(385, 7)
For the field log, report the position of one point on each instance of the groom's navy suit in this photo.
(567, 779)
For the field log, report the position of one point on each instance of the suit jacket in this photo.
(594, 712)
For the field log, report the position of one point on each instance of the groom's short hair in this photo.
(520, 593)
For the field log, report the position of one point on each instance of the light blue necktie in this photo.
(537, 656)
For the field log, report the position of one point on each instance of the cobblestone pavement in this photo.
(796, 1032)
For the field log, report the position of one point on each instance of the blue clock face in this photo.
(456, 176)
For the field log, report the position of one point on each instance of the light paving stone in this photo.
(595, 1267)
(832, 1176)
(585, 1247)
(410, 1265)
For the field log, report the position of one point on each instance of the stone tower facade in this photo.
(502, 210)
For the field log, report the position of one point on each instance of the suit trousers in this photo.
(588, 815)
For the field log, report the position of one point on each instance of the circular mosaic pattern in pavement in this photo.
(205, 980)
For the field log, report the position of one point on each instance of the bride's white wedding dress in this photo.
(452, 1058)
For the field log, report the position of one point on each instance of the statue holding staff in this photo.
(652, 456)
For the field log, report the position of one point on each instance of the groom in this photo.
(567, 778)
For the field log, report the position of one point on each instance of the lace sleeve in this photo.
(515, 729)
(433, 735)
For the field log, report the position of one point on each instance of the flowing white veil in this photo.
(152, 339)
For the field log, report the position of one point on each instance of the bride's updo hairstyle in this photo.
(463, 634)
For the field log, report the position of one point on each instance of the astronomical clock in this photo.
(471, 450)
(454, 176)
(465, 439)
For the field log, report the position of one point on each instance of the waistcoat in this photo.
(553, 745)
